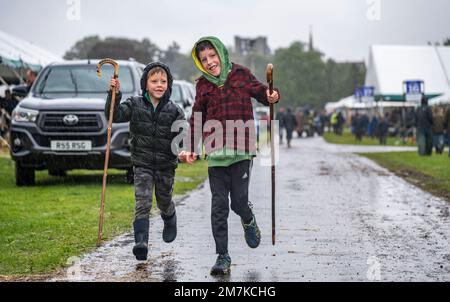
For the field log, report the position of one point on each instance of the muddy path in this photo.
(340, 217)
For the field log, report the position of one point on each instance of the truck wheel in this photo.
(61, 173)
(130, 176)
(24, 176)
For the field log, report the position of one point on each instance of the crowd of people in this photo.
(303, 122)
(8, 102)
(428, 126)
(433, 128)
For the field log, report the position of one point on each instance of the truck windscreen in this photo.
(79, 81)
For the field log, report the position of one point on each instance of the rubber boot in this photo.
(140, 249)
(170, 228)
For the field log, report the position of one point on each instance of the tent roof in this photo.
(442, 99)
(348, 102)
(351, 102)
(444, 57)
(16, 53)
(390, 65)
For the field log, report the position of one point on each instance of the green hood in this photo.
(224, 61)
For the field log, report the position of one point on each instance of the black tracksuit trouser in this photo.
(230, 181)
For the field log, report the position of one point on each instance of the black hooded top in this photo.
(150, 128)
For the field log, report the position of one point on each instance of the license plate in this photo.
(71, 145)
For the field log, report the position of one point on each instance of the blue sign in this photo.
(414, 87)
(367, 90)
(365, 94)
(364, 91)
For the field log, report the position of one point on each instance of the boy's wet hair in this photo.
(202, 46)
(156, 70)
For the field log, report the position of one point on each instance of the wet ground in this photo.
(340, 217)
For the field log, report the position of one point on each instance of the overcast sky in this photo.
(342, 29)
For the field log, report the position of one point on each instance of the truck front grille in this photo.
(87, 122)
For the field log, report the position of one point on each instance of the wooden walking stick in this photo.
(269, 74)
(108, 143)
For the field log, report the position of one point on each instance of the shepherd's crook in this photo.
(105, 170)
(269, 74)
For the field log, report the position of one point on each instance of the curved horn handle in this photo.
(108, 61)
(269, 75)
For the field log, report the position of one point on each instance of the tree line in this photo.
(303, 75)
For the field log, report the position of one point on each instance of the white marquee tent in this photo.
(443, 99)
(17, 54)
(390, 65)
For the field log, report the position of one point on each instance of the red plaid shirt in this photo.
(231, 102)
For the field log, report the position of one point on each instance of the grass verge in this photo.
(430, 173)
(349, 139)
(42, 226)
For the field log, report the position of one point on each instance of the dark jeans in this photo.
(447, 139)
(438, 142)
(289, 134)
(144, 181)
(230, 181)
(425, 141)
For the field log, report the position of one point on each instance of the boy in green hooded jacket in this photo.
(223, 99)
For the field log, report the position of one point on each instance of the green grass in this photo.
(431, 173)
(349, 139)
(42, 226)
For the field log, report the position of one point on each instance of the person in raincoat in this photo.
(290, 123)
(424, 125)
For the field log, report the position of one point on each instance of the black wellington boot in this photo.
(170, 228)
(140, 249)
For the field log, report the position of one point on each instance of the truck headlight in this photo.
(25, 115)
